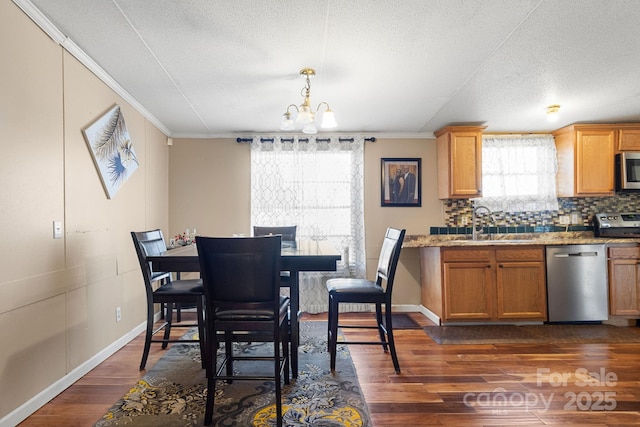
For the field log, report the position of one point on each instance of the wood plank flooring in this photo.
(440, 385)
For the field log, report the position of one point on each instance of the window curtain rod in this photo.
(240, 140)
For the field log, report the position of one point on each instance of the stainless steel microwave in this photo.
(628, 171)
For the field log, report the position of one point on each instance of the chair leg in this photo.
(329, 317)
(210, 367)
(333, 333)
(211, 392)
(278, 377)
(381, 328)
(284, 339)
(178, 313)
(201, 331)
(147, 337)
(167, 328)
(392, 344)
(228, 349)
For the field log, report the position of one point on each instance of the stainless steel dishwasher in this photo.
(577, 288)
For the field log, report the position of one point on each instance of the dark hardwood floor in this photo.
(440, 385)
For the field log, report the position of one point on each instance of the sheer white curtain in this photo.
(315, 183)
(519, 174)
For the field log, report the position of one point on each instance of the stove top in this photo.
(617, 224)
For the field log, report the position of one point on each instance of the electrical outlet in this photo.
(118, 314)
(564, 219)
(57, 229)
(575, 219)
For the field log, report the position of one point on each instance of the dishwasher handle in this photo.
(569, 254)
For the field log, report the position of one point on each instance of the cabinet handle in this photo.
(500, 265)
(489, 266)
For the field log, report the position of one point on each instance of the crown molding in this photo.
(67, 44)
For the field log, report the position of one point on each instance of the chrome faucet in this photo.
(476, 231)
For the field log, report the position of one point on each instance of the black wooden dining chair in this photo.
(378, 292)
(241, 278)
(169, 293)
(288, 232)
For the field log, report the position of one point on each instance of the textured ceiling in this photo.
(207, 68)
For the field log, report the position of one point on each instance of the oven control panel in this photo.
(609, 220)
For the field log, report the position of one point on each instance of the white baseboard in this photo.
(39, 400)
(429, 314)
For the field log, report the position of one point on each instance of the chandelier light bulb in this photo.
(310, 128)
(328, 120)
(287, 122)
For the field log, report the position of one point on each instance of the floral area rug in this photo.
(173, 392)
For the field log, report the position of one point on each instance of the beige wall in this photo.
(210, 189)
(58, 297)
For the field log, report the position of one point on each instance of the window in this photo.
(315, 183)
(519, 174)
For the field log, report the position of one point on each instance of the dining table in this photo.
(303, 255)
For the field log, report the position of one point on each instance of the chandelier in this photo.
(306, 116)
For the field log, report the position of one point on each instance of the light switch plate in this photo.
(57, 229)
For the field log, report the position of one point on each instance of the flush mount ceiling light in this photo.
(306, 116)
(552, 112)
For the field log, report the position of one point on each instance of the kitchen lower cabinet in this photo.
(624, 281)
(521, 284)
(486, 284)
(468, 290)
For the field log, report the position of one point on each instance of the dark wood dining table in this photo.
(305, 255)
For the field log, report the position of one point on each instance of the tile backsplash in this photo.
(457, 212)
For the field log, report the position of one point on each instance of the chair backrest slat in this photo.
(389, 255)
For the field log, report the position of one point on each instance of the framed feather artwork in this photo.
(112, 150)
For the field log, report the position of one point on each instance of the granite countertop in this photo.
(513, 239)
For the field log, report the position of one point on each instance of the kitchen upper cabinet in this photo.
(629, 137)
(624, 281)
(459, 161)
(585, 160)
(492, 285)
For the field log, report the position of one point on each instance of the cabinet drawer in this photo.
(632, 252)
(466, 255)
(534, 253)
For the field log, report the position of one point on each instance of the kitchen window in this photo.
(519, 173)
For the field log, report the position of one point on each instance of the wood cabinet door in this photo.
(623, 287)
(466, 164)
(468, 290)
(521, 290)
(459, 161)
(629, 139)
(594, 162)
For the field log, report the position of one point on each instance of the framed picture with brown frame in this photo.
(401, 182)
